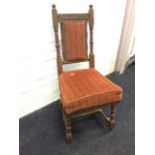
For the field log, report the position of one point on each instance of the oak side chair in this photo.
(86, 91)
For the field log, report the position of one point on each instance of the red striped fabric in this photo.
(74, 40)
(82, 89)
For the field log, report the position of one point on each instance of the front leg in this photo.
(112, 118)
(67, 122)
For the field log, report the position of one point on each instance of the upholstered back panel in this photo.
(74, 40)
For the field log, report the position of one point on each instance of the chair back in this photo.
(74, 37)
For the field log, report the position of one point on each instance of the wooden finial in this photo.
(91, 6)
(53, 6)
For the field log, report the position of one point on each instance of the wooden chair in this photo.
(85, 91)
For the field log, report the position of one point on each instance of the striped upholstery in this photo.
(74, 40)
(82, 89)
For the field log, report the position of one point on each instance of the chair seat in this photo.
(87, 88)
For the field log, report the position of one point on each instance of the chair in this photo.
(86, 91)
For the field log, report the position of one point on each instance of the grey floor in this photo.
(42, 132)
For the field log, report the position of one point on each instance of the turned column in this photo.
(112, 118)
(55, 25)
(67, 121)
(91, 25)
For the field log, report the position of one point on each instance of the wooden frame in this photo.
(58, 18)
(67, 118)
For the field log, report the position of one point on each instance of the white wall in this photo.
(38, 73)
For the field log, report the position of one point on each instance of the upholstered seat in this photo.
(82, 89)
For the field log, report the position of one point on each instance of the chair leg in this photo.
(112, 118)
(67, 121)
